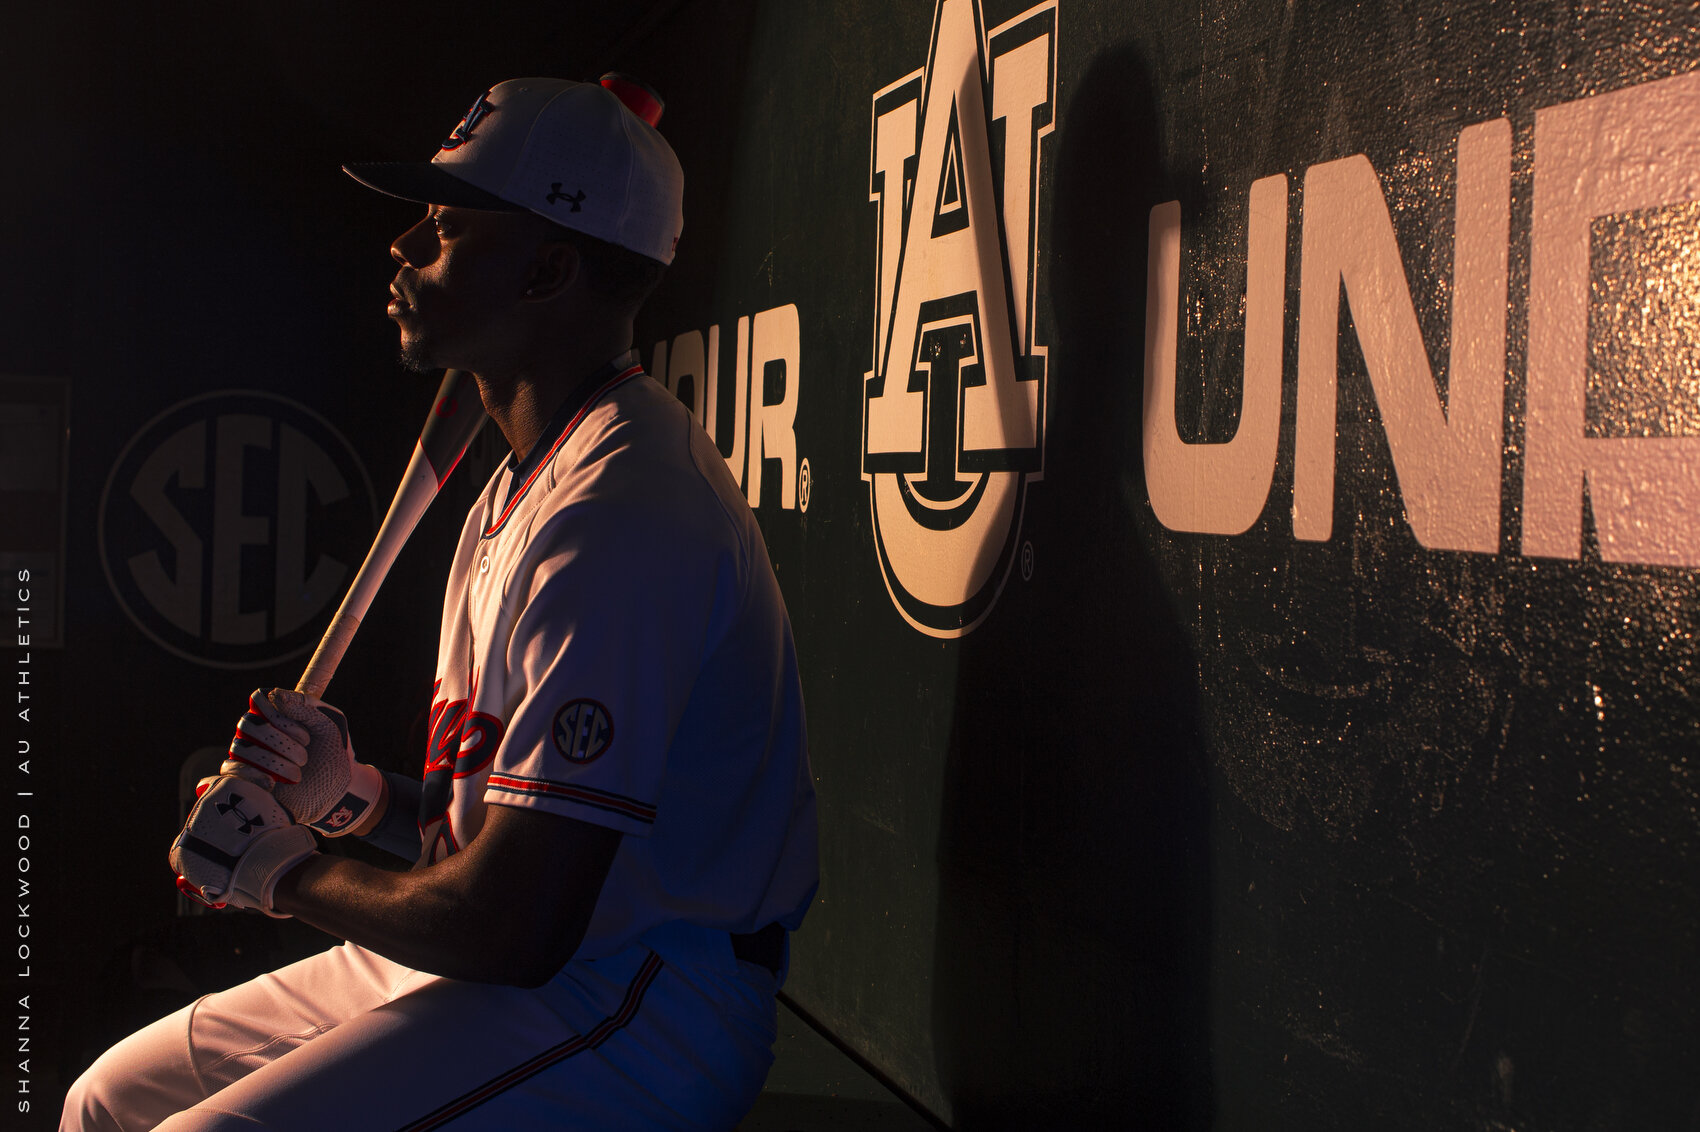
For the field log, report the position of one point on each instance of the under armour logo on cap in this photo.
(524, 134)
(574, 199)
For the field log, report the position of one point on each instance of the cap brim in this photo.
(426, 183)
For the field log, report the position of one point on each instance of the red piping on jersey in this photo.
(590, 404)
(578, 1043)
(588, 795)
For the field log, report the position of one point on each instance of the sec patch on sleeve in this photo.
(583, 731)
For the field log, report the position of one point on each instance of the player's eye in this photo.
(444, 225)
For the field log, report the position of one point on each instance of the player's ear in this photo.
(554, 268)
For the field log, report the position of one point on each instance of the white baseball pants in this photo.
(677, 1034)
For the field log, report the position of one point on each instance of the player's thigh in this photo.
(624, 1044)
(194, 1052)
(688, 1049)
(395, 1063)
(236, 1032)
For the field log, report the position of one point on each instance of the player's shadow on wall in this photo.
(1071, 983)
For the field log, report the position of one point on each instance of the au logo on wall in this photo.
(230, 526)
(953, 425)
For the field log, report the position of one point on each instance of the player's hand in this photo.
(237, 842)
(299, 746)
(268, 749)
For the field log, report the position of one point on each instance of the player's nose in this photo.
(417, 246)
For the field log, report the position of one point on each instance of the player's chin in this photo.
(418, 352)
(417, 356)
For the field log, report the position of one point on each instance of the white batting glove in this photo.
(268, 749)
(298, 747)
(237, 842)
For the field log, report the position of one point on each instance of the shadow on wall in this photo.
(1071, 984)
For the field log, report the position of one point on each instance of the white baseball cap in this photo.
(570, 152)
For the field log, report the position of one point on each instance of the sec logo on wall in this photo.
(230, 525)
(953, 422)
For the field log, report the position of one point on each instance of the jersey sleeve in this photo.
(618, 610)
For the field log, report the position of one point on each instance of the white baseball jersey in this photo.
(615, 649)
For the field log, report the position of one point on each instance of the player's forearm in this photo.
(512, 907)
(418, 918)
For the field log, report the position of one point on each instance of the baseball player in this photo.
(615, 827)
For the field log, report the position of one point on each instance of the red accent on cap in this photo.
(639, 98)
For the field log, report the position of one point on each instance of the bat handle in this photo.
(328, 655)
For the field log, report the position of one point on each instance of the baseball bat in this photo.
(455, 417)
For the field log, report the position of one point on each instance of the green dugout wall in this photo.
(1247, 572)
(1234, 470)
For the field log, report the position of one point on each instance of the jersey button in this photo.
(484, 565)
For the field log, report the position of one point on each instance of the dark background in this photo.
(1193, 831)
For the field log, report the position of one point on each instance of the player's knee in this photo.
(89, 1104)
(135, 1084)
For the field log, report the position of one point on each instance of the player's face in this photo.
(461, 273)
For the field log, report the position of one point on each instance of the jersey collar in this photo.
(522, 474)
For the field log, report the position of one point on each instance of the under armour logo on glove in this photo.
(236, 844)
(249, 824)
(576, 199)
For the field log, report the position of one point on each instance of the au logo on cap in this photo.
(953, 422)
(462, 132)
